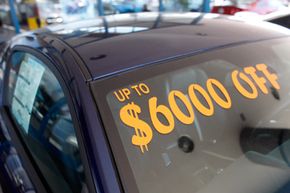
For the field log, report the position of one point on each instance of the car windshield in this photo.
(217, 121)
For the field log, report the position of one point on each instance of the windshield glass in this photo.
(218, 121)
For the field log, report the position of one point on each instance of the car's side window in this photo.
(41, 114)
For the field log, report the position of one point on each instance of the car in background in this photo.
(227, 8)
(76, 7)
(124, 7)
(53, 19)
(149, 102)
(261, 7)
(50, 12)
(127, 7)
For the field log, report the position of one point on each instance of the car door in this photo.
(38, 118)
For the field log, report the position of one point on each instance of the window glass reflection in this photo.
(40, 109)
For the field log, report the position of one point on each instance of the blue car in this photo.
(127, 8)
(147, 103)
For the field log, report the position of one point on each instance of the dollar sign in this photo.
(143, 132)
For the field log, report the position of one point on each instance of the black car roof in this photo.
(120, 42)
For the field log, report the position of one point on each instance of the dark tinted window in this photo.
(283, 21)
(41, 113)
(213, 122)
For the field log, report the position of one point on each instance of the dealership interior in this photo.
(34, 14)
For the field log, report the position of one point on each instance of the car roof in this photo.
(112, 44)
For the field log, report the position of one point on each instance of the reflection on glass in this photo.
(181, 136)
(40, 108)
